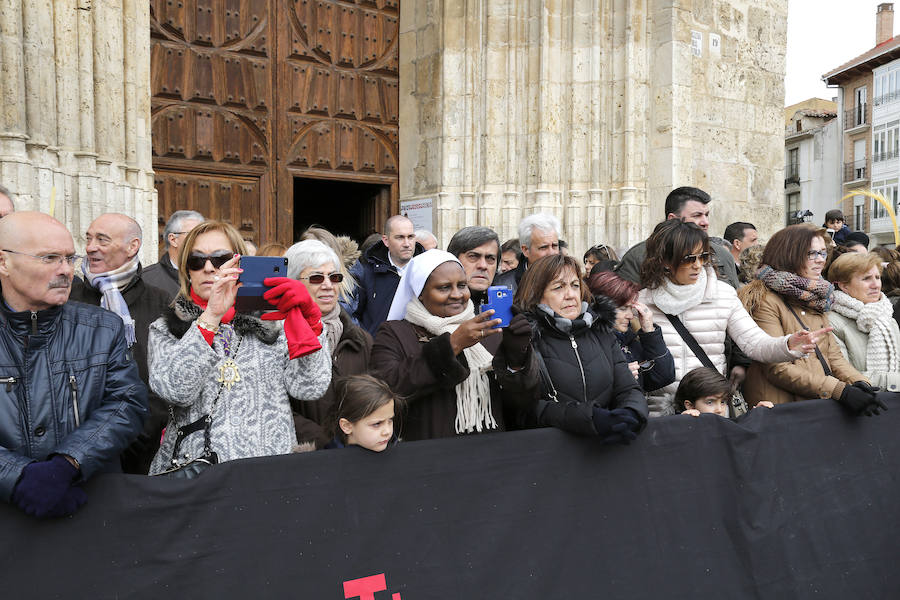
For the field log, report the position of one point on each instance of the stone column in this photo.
(592, 110)
(74, 104)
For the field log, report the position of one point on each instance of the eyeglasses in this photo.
(812, 254)
(197, 261)
(50, 259)
(692, 258)
(317, 278)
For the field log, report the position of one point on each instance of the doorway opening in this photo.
(342, 207)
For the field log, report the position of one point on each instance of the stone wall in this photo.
(592, 110)
(75, 109)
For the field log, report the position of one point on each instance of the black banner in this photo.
(796, 502)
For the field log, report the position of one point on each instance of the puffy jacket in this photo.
(718, 313)
(52, 360)
(377, 281)
(854, 345)
(587, 368)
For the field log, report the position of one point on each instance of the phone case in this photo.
(500, 300)
(256, 270)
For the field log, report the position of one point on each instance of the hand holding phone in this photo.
(255, 270)
(500, 301)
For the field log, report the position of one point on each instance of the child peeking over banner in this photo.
(705, 390)
(363, 413)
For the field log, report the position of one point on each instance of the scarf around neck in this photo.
(334, 328)
(674, 299)
(876, 319)
(110, 284)
(585, 319)
(817, 294)
(473, 395)
(226, 318)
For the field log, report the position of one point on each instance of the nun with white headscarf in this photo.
(458, 373)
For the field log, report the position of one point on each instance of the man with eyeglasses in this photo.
(112, 279)
(164, 274)
(71, 398)
(691, 205)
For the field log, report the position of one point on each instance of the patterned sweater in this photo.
(254, 417)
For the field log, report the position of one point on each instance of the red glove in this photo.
(289, 293)
(300, 336)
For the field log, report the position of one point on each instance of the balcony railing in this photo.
(887, 98)
(856, 116)
(854, 171)
(880, 156)
(791, 173)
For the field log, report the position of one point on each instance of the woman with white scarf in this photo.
(862, 317)
(318, 267)
(679, 282)
(458, 373)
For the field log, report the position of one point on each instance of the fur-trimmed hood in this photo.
(182, 313)
(752, 294)
(349, 251)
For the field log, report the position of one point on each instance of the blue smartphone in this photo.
(500, 300)
(256, 270)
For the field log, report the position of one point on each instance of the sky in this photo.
(823, 35)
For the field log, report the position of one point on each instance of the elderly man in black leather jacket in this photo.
(70, 396)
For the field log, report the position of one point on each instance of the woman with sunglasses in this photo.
(790, 295)
(318, 267)
(227, 376)
(682, 289)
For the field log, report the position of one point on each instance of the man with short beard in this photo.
(73, 399)
(113, 280)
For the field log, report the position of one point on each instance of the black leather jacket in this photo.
(51, 362)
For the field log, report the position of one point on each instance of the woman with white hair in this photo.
(458, 373)
(319, 269)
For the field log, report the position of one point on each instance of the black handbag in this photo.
(737, 404)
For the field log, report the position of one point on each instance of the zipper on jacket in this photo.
(34, 329)
(73, 385)
(9, 381)
(580, 366)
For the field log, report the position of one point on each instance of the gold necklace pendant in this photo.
(228, 373)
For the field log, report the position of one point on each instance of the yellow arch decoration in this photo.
(887, 207)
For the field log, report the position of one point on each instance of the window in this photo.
(889, 190)
(792, 168)
(859, 210)
(792, 207)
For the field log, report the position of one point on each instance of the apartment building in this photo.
(869, 112)
(812, 160)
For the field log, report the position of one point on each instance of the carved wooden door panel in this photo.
(249, 94)
(211, 79)
(338, 100)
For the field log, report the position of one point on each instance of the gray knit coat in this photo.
(253, 418)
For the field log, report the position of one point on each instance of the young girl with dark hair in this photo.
(362, 414)
(705, 390)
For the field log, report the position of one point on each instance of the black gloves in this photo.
(516, 341)
(45, 489)
(617, 426)
(860, 399)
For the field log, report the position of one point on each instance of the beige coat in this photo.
(803, 378)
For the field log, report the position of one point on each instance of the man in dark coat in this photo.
(164, 273)
(539, 236)
(113, 280)
(378, 272)
(478, 249)
(72, 399)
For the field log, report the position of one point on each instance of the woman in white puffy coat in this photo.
(679, 281)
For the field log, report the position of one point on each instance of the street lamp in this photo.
(803, 216)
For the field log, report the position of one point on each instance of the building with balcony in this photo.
(812, 159)
(869, 110)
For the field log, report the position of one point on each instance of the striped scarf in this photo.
(110, 284)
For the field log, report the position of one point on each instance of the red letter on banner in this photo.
(365, 587)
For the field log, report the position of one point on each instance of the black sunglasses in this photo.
(197, 261)
(318, 278)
